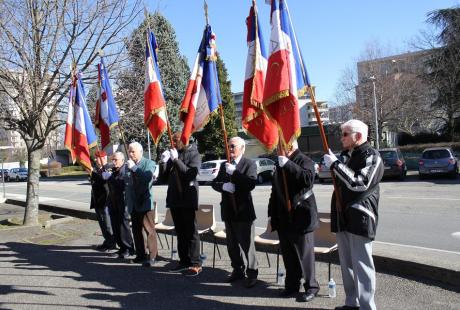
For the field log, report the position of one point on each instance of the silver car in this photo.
(209, 170)
(437, 161)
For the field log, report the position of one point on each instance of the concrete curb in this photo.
(446, 278)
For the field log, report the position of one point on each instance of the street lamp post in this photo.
(377, 145)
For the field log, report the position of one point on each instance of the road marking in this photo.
(423, 198)
(418, 247)
(456, 234)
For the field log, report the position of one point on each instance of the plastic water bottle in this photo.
(332, 289)
(203, 258)
(281, 277)
(174, 254)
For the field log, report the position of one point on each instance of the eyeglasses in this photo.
(346, 134)
(232, 146)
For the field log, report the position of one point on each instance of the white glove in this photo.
(174, 154)
(165, 156)
(106, 175)
(131, 165)
(229, 187)
(229, 168)
(329, 159)
(282, 160)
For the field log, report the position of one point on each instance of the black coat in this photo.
(300, 176)
(183, 170)
(116, 184)
(358, 179)
(244, 178)
(99, 189)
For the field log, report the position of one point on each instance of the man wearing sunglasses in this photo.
(235, 181)
(355, 225)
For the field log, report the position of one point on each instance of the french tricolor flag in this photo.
(79, 131)
(202, 96)
(106, 110)
(155, 118)
(287, 77)
(255, 120)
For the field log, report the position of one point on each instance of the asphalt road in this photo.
(412, 213)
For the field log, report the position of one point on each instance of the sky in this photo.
(332, 34)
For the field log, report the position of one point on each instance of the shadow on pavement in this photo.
(131, 286)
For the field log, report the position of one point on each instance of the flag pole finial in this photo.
(100, 52)
(206, 11)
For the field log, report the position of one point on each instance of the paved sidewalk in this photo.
(58, 267)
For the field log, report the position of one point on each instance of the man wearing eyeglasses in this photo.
(235, 181)
(354, 213)
(118, 209)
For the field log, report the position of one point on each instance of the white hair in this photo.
(239, 140)
(122, 156)
(356, 126)
(136, 146)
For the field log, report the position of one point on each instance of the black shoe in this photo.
(306, 297)
(137, 260)
(234, 276)
(286, 293)
(149, 263)
(101, 247)
(178, 268)
(250, 282)
(345, 307)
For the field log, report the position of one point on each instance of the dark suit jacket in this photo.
(116, 184)
(300, 176)
(185, 169)
(99, 189)
(244, 178)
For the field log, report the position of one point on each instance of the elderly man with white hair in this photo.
(139, 198)
(358, 176)
(235, 181)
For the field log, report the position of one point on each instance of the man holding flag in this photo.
(292, 206)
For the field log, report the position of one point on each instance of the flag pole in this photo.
(282, 152)
(326, 149)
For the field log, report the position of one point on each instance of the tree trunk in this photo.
(31, 213)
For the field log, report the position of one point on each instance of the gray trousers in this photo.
(241, 247)
(358, 271)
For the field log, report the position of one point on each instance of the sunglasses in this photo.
(346, 134)
(232, 146)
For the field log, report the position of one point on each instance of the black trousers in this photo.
(188, 240)
(298, 252)
(103, 218)
(121, 230)
(241, 247)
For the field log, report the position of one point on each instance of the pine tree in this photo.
(211, 138)
(174, 73)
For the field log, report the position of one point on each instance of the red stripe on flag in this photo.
(187, 111)
(154, 104)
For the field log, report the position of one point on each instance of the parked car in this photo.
(18, 174)
(4, 175)
(394, 163)
(438, 161)
(265, 169)
(209, 170)
(324, 173)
